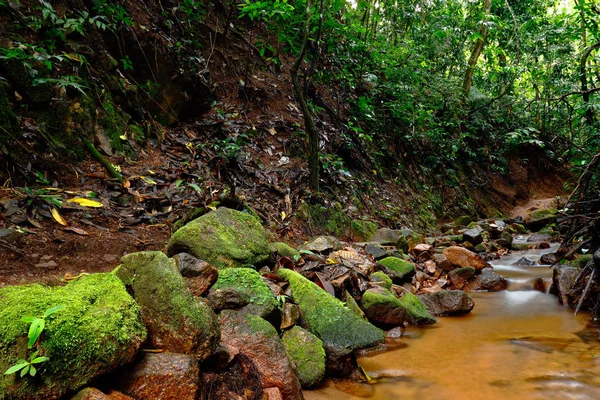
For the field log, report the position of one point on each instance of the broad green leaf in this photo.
(25, 370)
(35, 330)
(39, 360)
(52, 310)
(16, 367)
(32, 370)
(28, 319)
(195, 187)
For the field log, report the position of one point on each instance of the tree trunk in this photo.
(589, 114)
(476, 52)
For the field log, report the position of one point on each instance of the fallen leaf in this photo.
(272, 131)
(78, 231)
(149, 181)
(85, 202)
(58, 217)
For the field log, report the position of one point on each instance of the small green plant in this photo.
(27, 366)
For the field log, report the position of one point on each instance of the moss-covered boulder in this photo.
(581, 261)
(306, 353)
(285, 250)
(538, 219)
(98, 330)
(383, 308)
(396, 268)
(325, 316)
(248, 282)
(463, 220)
(223, 238)
(176, 321)
(412, 238)
(330, 219)
(381, 279)
(363, 230)
(415, 309)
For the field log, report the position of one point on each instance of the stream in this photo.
(515, 344)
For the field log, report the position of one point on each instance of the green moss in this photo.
(285, 250)
(463, 220)
(399, 268)
(114, 124)
(581, 261)
(224, 238)
(415, 309)
(249, 282)
(363, 230)
(259, 325)
(99, 330)
(543, 214)
(306, 353)
(325, 316)
(385, 280)
(373, 298)
(331, 219)
(412, 237)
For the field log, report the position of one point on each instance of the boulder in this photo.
(538, 219)
(539, 237)
(460, 257)
(412, 238)
(258, 340)
(326, 317)
(98, 330)
(473, 235)
(160, 376)
(382, 308)
(461, 276)
(524, 262)
(248, 283)
(223, 238)
(381, 279)
(199, 275)
(305, 351)
(549, 259)
(563, 279)
(448, 302)
(505, 240)
(387, 236)
(442, 262)
(375, 250)
(363, 230)
(285, 250)
(321, 244)
(290, 315)
(416, 311)
(581, 261)
(397, 269)
(488, 281)
(464, 220)
(175, 320)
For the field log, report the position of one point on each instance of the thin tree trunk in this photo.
(476, 52)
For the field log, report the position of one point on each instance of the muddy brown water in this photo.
(516, 344)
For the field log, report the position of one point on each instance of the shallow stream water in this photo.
(515, 344)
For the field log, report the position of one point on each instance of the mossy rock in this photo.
(362, 230)
(464, 220)
(306, 353)
(285, 250)
(330, 220)
(382, 279)
(326, 317)
(223, 238)
(397, 269)
(261, 300)
(383, 308)
(581, 261)
(412, 238)
(416, 311)
(99, 330)
(175, 320)
(536, 220)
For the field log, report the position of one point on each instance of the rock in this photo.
(160, 376)
(375, 250)
(543, 285)
(321, 244)
(326, 317)
(412, 238)
(581, 261)
(460, 258)
(448, 302)
(363, 230)
(382, 308)
(227, 374)
(442, 262)
(524, 262)
(539, 237)
(538, 219)
(488, 280)
(520, 246)
(258, 340)
(9, 234)
(461, 276)
(90, 394)
(99, 330)
(387, 236)
(549, 259)
(415, 310)
(473, 235)
(562, 281)
(223, 238)
(464, 220)
(272, 393)
(396, 268)
(175, 320)
(199, 275)
(381, 279)
(517, 228)
(505, 240)
(395, 333)
(289, 316)
(229, 298)
(305, 352)
(420, 249)
(284, 250)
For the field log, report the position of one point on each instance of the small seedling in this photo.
(27, 366)
(38, 324)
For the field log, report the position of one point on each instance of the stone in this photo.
(416, 311)
(464, 220)
(488, 281)
(381, 279)
(321, 244)
(382, 308)
(461, 276)
(387, 236)
(549, 259)
(412, 238)
(326, 317)
(442, 262)
(563, 278)
(258, 340)
(229, 298)
(90, 394)
(538, 219)
(422, 249)
(375, 250)
(505, 240)
(543, 285)
(285, 250)
(289, 316)
(397, 269)
(520, 246)
(9, 234)
(160, 376)
(524, 262)
(199, 275)
(175, 320)
(223, 238)
(448, 302)
(473, 235)
(460, 257)
(305, 351)
(260, 299)
(539, 237)
(395, 333)
(363, 230)
(272, 393)
(98, 330)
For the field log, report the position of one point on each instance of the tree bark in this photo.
(476, 52)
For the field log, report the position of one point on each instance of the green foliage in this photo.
(26, 366)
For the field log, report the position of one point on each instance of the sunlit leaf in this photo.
(85, 202)
(16, 367)
(56, 215)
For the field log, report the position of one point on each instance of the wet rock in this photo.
(460, 257)
(272, 394)
(363, 230)
(538, 219)
(387, 236)
(416, 311)
(229, 298)
(488, 280)
(464, 220)
(461, 276)
(395, 333)
(326, 317)
(98, 330)
(543, 285)
(160, 376)
(382, 308)
(381, 279)
(305, 351)
(246, 281)
(549, 259)
(442, 262)
(505, 240)
(224, 238)
(448, 302)
(258, 340)
(284, 250)
(90, 394)
(321, 244)
(473, 235)
(524, 262)
(412, 238)
(563, 279)
(397, 269)
(375, 250)
(289, 316)
(175, 320)
(521, 246)
(200, 275)
(539, 237)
